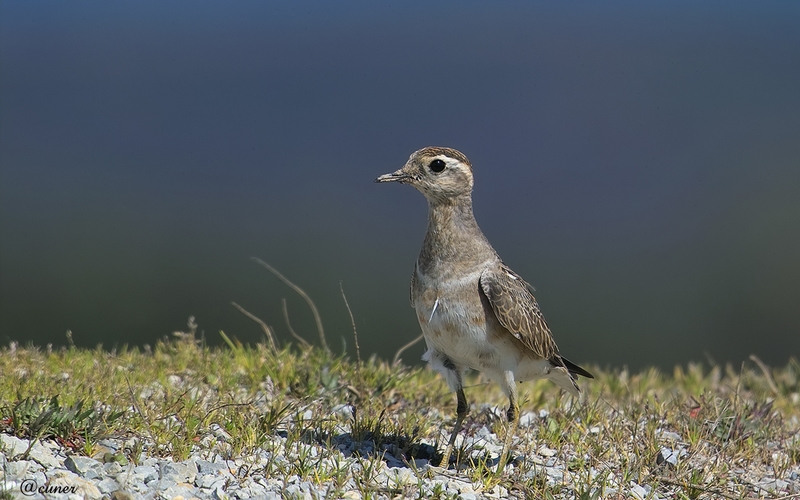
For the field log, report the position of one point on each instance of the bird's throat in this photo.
(453, 236)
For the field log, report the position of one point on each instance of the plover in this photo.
(474, 311)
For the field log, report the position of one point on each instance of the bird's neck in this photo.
(453, 236)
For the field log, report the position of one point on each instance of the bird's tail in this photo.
(565, 374)
(575, 369)
(562, 378)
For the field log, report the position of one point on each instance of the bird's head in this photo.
(441, 174)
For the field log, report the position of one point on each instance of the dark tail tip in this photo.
(573, 368)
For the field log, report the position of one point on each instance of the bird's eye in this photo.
(436, 166)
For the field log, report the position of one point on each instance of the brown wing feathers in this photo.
(517, 310)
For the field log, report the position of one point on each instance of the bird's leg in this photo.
(461, 412)
(513, 422)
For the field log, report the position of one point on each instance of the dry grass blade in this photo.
(264, 326)
(353, 322)
(400, 351)
(305, 296)
(289, 325)
(766, 373)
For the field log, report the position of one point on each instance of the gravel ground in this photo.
(209, 475)
(54, 472)
(698, 435)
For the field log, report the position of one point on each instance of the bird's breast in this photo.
(454, 319)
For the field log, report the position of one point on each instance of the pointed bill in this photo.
(397, 176)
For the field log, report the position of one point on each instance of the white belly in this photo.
(463, 333)
(458, 333)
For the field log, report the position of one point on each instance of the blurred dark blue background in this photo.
(639, 163)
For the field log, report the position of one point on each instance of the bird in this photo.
(473, 310)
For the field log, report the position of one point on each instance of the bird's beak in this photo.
(398, 176)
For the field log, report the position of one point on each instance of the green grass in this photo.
(736, 424)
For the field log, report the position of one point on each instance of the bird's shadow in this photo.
(367, 439)
(397, 450)
(400, 450)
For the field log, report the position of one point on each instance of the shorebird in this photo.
(474, 311)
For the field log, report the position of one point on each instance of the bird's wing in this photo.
(517, 310)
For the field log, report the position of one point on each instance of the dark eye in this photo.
(436, 166)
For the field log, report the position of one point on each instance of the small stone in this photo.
(107, 485)
(44, 455)
(220, 433)
(209, 481)
(164, 484)
(497, 492)
(257, 490)
(39, 477)
(528, 419)
(667, 456)
(12, 445)
(82, 487)
(21, 468)
(275, 496)
(401, 477)
(393, 462)
(554, 474)
(343, 411)
(121, 495)
(145, 473)
(544, 451)
(84, 466)
(52, 446)
(182, 472)
(637, 491)
(420, 463)
(295, 491)
(219, 494)
(772, 484)
(178, 490)
(206, 467)
(113, 468)
(464, 487)
(668, 435)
